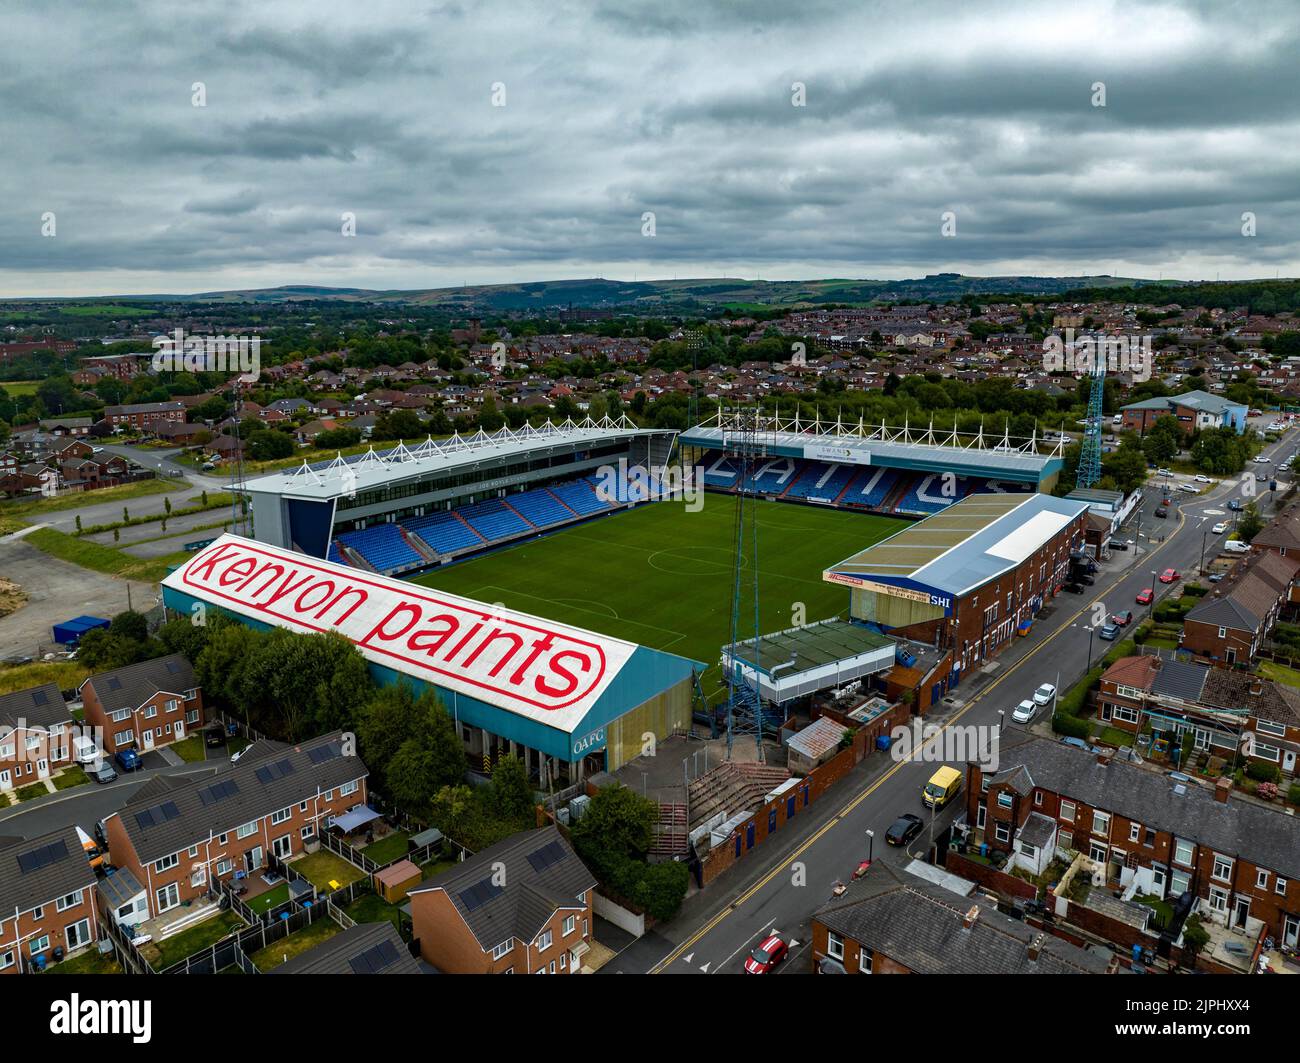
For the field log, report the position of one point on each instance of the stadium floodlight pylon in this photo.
(1090, 457)
(744, 702)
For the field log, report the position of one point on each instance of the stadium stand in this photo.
(383, 547)
(540, 508)
(580, 496)
(444, 532)
(493, 519)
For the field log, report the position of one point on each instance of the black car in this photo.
(1161, 511)
(904, 829)
(1085, 577)
(215, 735)
(1075, 588)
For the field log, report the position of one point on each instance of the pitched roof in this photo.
(1233, 827)
(1180, 679)
(1139, 672)
(162, 823)
(39, 706)
(131, 686)
(1283, 531)
(367, 948)
(541, 874)
(921, 926)
(1226, 688)
(40, 870)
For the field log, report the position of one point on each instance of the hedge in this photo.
(1072, 726)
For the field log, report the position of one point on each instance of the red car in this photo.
(1169, 575)
(763, 960)
(1122, 619)
(1145, 597)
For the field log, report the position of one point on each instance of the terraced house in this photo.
(1222, 709)
(522, 906)
(144, 705)
(35, 735)
(1232, 622)
(177, 838)
(1146, 833)
(47, 900)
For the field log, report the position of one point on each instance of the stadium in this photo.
(564, 623)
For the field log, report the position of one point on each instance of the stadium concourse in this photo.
(403, 510)
(894, 471)
(568, 702)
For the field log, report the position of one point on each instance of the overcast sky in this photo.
(682, 108)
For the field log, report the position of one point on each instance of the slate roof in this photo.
(41, 706)
(40, 870)
(1282, 532)
(1226, 688)
(1137, 672)
(367, 948)
(160, 823)
(542, 875)
(132, 686)
(1196, 400)
(920, 925)
(1180, 679)
(1234, 828)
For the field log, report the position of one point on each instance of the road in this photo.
(782, 899)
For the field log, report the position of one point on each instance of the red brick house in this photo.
(47, 900)
(144, 415)
(522, 906)
(35, 735)
(890, 922)
(176, 838)
(1143, 832)
(141, 706)
(1232, 622)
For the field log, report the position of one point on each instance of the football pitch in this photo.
(661, 576)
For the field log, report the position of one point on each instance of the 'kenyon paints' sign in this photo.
(548, 672)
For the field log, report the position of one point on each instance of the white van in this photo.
(1236, 546)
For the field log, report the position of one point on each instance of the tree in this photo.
(661, 888)
(617, 820)
(102, 651)
(267, 444)
(510, 794)
(130, 625)
(1250, 524)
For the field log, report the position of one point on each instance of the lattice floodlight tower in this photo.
(1090, 458)
(744, 702)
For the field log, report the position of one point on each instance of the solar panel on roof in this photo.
(170, 811)
(114, 683)
(43, 856)
(374, 960)
(145, 819)
(323, 753)
(547, 855)
(39, 697)
(218, 791)
(479, 894)
(173, 667)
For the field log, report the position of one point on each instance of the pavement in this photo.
(791, 875)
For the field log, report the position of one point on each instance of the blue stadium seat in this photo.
(871, 488)
(822, 482)
(383, 547)
(540, 508)
(579, 496)
(493, 519)
(443, 532)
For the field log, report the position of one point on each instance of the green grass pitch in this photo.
(661, 576)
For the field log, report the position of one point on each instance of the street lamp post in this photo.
(871, 844)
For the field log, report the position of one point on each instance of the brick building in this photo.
(175, 838)
(522, 906)
(144, 415)
(1232, 622)
(144, 705)
(47, 899)
(35, 735)
(1145, 832)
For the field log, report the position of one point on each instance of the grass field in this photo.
(661, 576)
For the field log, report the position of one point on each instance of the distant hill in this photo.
(662, 296)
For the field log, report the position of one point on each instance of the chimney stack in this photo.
(1035, 947)
(1256, 686)
(971, 916)
(1222, 788)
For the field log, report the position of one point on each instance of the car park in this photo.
(1109, 632)
(904, 829)
(1024, 712)
(1145, 596)
(1169, 575)
(766, 956)
(1219, 528)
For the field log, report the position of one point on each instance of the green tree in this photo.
(130, 625)
(266, 444)
(1250, 524)
(617, 820)
(510, 794)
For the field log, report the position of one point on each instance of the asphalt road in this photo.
(748, 904)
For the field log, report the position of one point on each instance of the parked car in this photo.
(1189, 488)
(1145, 596)
(1236, 546)
(1219, 528)
(127, 759)
(1217, 577)
(1161, 511)
(1110, 632)
(214, 735)
(1044, 694)
(764, 959)
(904, 829)
(1169, 575)
(104, 773)
(1201, 478)
(1122, 619)
(1024, 712)
(84, 750)
(1086, 578)
(1121, 544)
(1260, 459)
(1074, 588)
